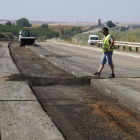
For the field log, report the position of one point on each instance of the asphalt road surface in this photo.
(80, 112)
(84, 61)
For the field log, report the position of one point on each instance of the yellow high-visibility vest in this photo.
(106, 44)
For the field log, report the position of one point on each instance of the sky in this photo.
(71, 10)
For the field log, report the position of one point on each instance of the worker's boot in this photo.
(97, 74)
(112, 75)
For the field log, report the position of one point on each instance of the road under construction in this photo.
(49, 92)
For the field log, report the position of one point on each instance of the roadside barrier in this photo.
(118, 44)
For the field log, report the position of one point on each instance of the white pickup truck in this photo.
(93, 39)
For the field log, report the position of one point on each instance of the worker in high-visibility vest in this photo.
(108, 43)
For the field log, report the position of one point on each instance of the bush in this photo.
(44, 26)
(9, 35)
(8, 23)
(43, 38)
(65, 34)
(1, 36)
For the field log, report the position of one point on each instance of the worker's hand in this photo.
(108, 49)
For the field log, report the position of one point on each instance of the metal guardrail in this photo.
(124, 44)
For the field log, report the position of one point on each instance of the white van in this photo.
(93, 39)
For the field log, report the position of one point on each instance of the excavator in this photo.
(25, 38)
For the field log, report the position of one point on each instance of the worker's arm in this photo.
(112, 44)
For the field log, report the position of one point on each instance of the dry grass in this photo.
(35, 26)
(56, 27)
(65, 27)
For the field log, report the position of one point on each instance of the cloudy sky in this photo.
(71, 10)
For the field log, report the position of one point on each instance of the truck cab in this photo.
(93, 39)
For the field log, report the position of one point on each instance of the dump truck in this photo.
(25, 38)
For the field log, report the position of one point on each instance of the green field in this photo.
(36, 32)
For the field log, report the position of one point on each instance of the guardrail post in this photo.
(129, 48)
(136, 49)
(118, 47)
(123, 47)
(77, 40)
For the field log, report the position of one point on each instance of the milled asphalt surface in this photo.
(126, 91)
(69, 112)
(84, 61)
(21, 115)
(80, 112)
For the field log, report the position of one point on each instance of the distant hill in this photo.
(55, 23)
(2, 21)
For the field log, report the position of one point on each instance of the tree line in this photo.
(41, 32)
